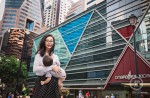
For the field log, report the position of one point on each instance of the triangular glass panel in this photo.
(125, 31)
(72, 31)
(60, 49)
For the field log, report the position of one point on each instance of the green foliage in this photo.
(8, 67)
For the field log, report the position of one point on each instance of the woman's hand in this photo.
(56, 69)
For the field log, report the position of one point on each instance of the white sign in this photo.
(130, 76)
(136, 84)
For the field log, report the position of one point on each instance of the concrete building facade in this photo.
(81, 6)
(55, 12)
(76, 8)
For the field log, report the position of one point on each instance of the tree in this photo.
(8, 67)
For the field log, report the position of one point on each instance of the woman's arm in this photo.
(38, 68)
(57, 60)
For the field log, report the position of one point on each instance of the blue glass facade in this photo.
(72, 31)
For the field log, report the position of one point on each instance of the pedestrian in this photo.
(107, 96)
(24, 90)
(50, 90)
(31, 93)
(9, 95)
(112, 95)
(88, 94)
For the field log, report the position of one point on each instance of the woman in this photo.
(49, 90)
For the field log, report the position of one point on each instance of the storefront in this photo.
(122, 81)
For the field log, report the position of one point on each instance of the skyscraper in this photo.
(10, 16)
(81, 6)
(55, 12)
(24, 14)
(76, 8)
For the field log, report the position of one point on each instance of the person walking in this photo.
(31, 93)
(112, 95)
(88, 94)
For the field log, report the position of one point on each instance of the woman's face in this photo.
(49, 43)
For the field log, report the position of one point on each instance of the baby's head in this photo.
(47, 60)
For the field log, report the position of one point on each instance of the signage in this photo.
(136, 83)
(130, 76)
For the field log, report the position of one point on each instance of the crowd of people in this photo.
(23, 93)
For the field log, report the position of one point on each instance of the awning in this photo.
(133, 84)
(99, 88)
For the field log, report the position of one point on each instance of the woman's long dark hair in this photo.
(42, 47)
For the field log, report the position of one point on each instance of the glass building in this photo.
(24, 14)
(91, 45)
(13, 3)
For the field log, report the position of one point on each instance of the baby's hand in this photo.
(42, 83)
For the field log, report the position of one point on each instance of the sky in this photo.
(75, 0)
(2, 3)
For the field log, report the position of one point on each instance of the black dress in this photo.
(49, 90)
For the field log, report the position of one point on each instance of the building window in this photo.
(29, 24)
(90, 2)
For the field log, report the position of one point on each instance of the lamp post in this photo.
(20, 64)
(133, 20)
(101, 82)
(101, 87)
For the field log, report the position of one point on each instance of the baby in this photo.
(48, 61)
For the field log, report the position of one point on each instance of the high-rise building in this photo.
(55, 12)
(76, 8)
(91, 3)
(10, 16)
(42, 11)
(0, 23)
(81, 6)
(24, 14)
